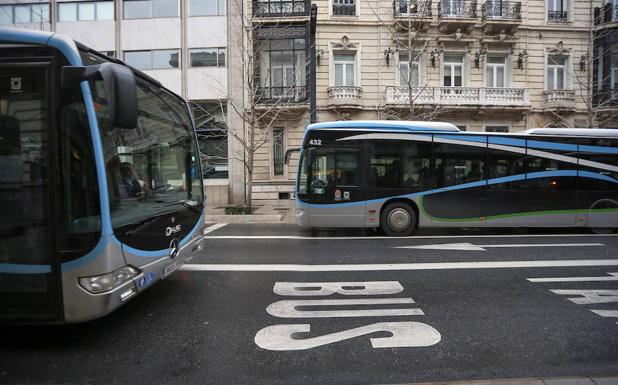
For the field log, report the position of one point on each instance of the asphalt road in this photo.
(275, 304)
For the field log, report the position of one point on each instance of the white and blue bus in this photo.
(399, 176)
(100, 181)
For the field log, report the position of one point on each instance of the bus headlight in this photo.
(106, 282)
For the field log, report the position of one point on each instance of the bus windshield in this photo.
(152, 169)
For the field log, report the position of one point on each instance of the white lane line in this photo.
(472, 247)
(214, 227)
(401, 266)
(300, 237)
(613, 277)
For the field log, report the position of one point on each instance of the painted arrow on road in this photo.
(472, 247)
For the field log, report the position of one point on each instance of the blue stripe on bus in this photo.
(463, 137)
(507, 141)
(356, 125)
(17, 268)
(551, 145)
(598, 149)
(512, 178)
(91, 256)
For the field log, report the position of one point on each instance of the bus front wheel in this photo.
(398, 219)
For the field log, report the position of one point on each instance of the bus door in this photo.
(335, 193)
(29, 284)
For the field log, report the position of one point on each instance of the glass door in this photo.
(27, 269)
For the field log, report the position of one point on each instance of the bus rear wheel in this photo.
(398, 219)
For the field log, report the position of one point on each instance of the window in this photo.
(496, 128)
(613, 68)
(496, 71)
(453, 70)
(101, 10)
(557, 10)
(455, 164)
(282, 69)
(141, 9)
(109, 53)
(207, 57)
(152, 60)
(345, 69)
(556, 72)
(278, 151)
(211, 129)
(24, 13)
(502, 164)
(334, 167)
(206, 7)
(407, 76)
(344, 7)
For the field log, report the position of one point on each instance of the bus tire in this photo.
(398, 219)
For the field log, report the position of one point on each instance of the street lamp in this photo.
(477, 57)
(434, 55)
(522, 57)
(387, 54)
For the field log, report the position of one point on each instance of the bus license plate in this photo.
(169, 269)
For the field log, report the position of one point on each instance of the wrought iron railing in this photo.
(281, 8)
(558, 16)
(606, 14)
(420, 8)
(457, 8)
(457, 96)
(502, 10)
(275, 95)
(344, 9)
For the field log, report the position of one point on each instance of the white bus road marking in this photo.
(402, 335)
(589, 297)
(613, 277)
(402, 266)
(472, 247)
(288, 308)
(302, 237)
(214, 227)
(344, 288)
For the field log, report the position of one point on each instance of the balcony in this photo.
(456, 14)
(283, 8)
(559, 100)
(459, 97)
(557, 16)
(412, 9)
(282, 96)
(606, 14)
(344, 97)
(499, 15)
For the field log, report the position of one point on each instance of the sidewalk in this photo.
(262, 214)
(532, 381)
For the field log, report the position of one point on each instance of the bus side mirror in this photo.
(288, 153)
(120, 89)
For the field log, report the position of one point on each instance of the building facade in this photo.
(496, 66)
(181, 43)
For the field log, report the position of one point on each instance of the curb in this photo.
(530, 381)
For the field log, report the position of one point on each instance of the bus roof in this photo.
(411, 126)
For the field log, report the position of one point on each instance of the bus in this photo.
(100, 181)
(400, 176)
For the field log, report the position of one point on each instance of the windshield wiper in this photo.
(184, 202)
(143, 223)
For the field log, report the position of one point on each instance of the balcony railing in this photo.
(559, 98)
(273, 95)
(501, 10)
(283, 8)
(453, 96)
(344, 9)
(457, 8)
(344, 96)
(606, 14)
(558, 16)
(414, 8)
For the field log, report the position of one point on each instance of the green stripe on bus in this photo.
(512, 215)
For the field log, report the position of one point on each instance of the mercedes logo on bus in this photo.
(174, 248)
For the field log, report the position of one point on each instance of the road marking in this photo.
(472, 247)
(588, 297)
(214, 227)
(614, 277)
(344, 288)
(606, 313)
(289, 308)
(300, 237)
(402, 266)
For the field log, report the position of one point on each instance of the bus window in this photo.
(385, 165)
(417, 166)
(334, 167)
(456, 164)
(501, 164)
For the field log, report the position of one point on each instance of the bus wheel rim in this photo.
(398, 219)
